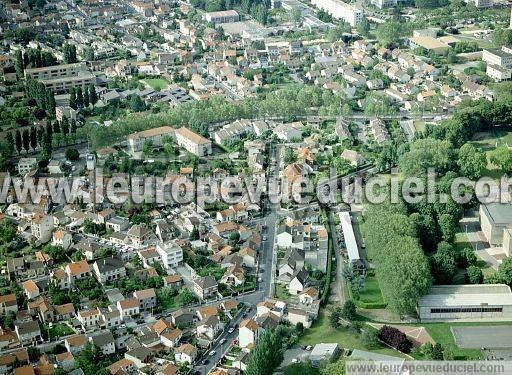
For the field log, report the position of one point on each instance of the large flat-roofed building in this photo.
(156, 136)
(193, 142)
(340, 10)
(55, 71)
(60, 78)
(494, 219)
(500, 57)
(429, 43)
(224, 16)
(466, 303)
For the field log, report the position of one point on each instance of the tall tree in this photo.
(64, 125)
(33, 137)
(25, 138)
(266, 355)
(72, 99)
(18, 141)
(79, 97)
(93, 97)
(87, 99)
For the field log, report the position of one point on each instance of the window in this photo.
(466, 310)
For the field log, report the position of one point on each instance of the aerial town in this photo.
(207, 186)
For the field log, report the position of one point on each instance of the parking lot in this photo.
(495, 337)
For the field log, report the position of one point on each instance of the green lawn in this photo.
(487, 142)
(281, 293)
(157, 83)
(322, 332)
(371, 294)
(57, 330)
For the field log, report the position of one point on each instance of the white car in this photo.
(222, 341)
(231, 330)
(212, 353)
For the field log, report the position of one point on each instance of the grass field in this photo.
(488, 142)
(157, 84)
(322, 332)
(371, 292)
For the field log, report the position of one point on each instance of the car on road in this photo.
(296, 360)
(244, 315)
(309, 347)
(264, 237)
(231, 330)
(205, 361)
(222, 341)
(212, 353)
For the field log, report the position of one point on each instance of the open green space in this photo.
(322, 332)
(489, 141)
(157, 83)
(371, 294)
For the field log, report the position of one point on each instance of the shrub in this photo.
(395, 338)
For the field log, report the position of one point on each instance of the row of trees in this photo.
(401, 266)
(69, 51)
(44, 98)
(31, 138)
(32, 58)
(79, 98)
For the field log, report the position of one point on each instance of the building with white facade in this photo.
(170, 253)
(466, 303)
(224, 16)
(340, 10)
(193, 142)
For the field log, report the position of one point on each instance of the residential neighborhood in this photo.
(261, 187)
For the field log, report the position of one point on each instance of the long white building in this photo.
(466, 303)
(340, 10)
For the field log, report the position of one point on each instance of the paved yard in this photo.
(496, 337)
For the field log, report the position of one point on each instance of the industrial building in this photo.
(484, 302)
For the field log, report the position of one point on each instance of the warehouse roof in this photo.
(468, 295)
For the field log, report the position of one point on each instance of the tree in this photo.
(69, 54)
(64, 125)
(391, 32)
(72, 99)
(443, 263)
(395, 338)
(437, 352)
(234, 237)
(475, 275)
(93, 96)
(349, 310)
(505, 271)
(370, 338)
(502, 37)
(471, 161)
(87, 99)
(448, 227)
(334, 318)
(467, 258)
(266, 355)
(72, 154)
(402, 269)
(136, 104)
(33, 137)
(426, 153)
(18, 143)
(79, 97)
(501, 157)
(25, 138)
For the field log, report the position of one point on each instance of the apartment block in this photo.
(340, 10)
